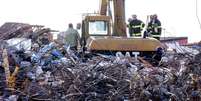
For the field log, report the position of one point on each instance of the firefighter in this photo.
(149, 27)
(154, 27)
(136, 26)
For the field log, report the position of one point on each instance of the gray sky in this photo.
(178, 17)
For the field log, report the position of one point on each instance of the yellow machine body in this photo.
(101, 43)
(109, 42)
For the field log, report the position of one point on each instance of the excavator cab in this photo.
(93, 27)
(96, 26)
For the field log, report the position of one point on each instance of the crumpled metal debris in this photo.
(54, 72)
(105, 78)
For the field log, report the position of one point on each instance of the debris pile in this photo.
(52, 71)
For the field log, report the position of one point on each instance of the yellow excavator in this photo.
(102, 34)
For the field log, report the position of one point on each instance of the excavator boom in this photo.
(119, 18)
(103, 7)
(119, 28)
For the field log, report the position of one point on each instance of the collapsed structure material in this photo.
(53, 72)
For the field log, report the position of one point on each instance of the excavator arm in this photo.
(119, 28)
(103, 7)
(119, 18)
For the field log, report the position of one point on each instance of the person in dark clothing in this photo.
(129, 27)
(136, 26)
(154, 27)
(149, 27)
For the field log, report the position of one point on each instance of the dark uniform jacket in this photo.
(135, 26)
(154, 27)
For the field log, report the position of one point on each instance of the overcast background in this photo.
(178, 17)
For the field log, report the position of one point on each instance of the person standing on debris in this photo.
(136, 26)
(149, 27)
(129, 26)
(154, 27)
(72, 37)
(78, 28)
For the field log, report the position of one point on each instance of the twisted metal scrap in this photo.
(112, 79)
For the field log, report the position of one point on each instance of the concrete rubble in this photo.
(49, 71)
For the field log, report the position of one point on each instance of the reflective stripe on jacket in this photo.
(136, 34)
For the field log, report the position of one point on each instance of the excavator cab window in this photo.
(98, 28)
